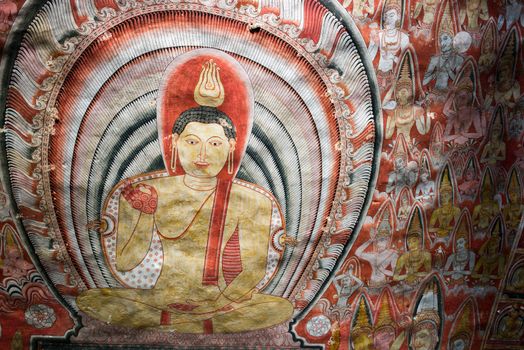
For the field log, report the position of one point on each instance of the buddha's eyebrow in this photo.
(192, 135)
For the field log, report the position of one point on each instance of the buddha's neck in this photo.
(200, 183)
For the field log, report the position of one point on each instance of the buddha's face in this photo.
(404, 96)
(381, 244)
(203, 149)
(413, 243)
(461, 244)
(391, 19)
(424, 177)
(399, 163)
(513, 197)
(446, 42)
(424, 339)
(445, 197)
(493, 246)
(383, 338)
(470, 175)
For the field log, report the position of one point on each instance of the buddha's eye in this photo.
(192, 142)
(215, 143)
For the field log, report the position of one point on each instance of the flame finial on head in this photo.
(209, 90)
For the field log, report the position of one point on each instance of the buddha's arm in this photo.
(134, 232)
(254, 231)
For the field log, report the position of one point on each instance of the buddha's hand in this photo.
(142, 197)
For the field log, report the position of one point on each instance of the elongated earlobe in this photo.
(174, 152)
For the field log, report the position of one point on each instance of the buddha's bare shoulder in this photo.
(252, 194)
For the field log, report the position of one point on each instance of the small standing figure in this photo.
(403, 112)
(362, 9)
(488, 208)
(495, 149)
(424, 26)
(347, 283)
(415, 263)
(488, 47)
(382, 258)
(446, 215)
(490, 265)
(390, 41)
(507, 87)
(405, 173)
(461, 262)
(462, 108)
(470, 183)
(425, 191)
(443, 66)
(471, 12)
(514, 209)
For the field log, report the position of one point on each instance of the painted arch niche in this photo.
(80, 117)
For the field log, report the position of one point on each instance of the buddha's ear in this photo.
(174, 138)
(232, 144)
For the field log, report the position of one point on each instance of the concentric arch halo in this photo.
(79, 116)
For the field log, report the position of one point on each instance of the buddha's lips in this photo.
(201, 164)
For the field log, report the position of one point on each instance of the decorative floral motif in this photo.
(40, 316)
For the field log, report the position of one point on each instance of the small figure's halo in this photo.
(462, 42)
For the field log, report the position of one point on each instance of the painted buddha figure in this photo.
(385, 327)
(490, 265)
(461, 262)
(514, 209)
(362, 329)
(461, 336)
(429, 8)
(444, 218)
(488, 208)
(415, 263)
(472, 12)
(495, 149)
(213, 230)
(403, 112)
(425, 332)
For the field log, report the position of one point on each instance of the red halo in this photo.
(176, 95)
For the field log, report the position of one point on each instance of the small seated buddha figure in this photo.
(461, 262)
(214, 230)
(12, 261)
(444, 218)
(488, 208)
(495, 149)
(415, 263)
(361, 328)
(511, 325)
(507, 86)
(514, 209)
(490, 265)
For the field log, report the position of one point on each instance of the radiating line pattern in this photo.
(81, 116)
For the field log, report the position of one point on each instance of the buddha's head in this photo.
(446, 197)
(205, 140)
(392, 18)
(3, 200)
(446, 42)
(383, 338)
(462, 244)
(425, 336)
(404, 96)
(414, 242)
